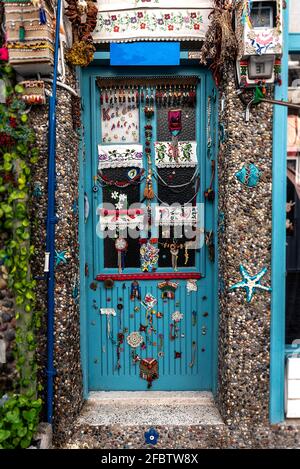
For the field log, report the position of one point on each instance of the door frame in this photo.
(101, 60)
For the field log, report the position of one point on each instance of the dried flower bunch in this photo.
(83, 16)
(220, 43)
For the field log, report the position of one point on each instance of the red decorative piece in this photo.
(150, 276)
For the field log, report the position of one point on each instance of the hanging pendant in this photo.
(21, 33)
(42, 14)
(121, 247)
(174, 253)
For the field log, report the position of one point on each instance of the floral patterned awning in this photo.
(138, 20)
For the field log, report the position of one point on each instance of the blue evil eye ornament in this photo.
(249, 175)
(151, 437)
(133, 173)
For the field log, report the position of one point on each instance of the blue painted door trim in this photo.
(84, 154)
(277, 350)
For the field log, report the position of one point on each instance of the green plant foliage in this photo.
(19, 416)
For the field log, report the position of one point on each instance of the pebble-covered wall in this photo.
(245, 236)
(68, 379)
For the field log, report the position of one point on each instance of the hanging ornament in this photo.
(120, 341)
(161, 346)
(135, 339)
(121, 246)
(149, 257)
(108, 312)
(168, 289)
(42, 13)
(174, 255)
(177, 316)
(149, 301)
(194, 352)
(149, 370)
(175, 127)
(148, 192)
(135, 291)
(249, 175)
(191, 285)
(177, 355)
(194, 318)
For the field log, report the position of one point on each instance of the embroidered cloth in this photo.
(174, 216)
(186, 154)
(134, 20)
(120, 156)
(112, 219)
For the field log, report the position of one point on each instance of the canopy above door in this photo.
(154, 20)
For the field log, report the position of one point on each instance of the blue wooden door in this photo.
(176, 333)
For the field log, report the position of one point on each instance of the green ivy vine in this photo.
(17, 154)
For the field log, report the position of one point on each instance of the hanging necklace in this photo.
(185, 203)
(177, 191)
(105, 181)
(175, 186)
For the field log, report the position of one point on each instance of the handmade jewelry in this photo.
(160, 345)
(149, 257)
(134, 181)
(175, 127)
(135, 339)
(177, 316)
(194, 354)
(108, 312)
(120, 341)
(177, 355)
(191, 285)
(148, 192)
(174, 255)
(121, 246)
(194, 318)
(168, 289)
(135, 291)
(149, 370)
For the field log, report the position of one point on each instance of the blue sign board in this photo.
(145, 53)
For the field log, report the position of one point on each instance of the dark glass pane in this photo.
(176, 176)
(132, 258)
(293, 208)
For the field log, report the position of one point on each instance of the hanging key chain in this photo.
(194, 352)
(174, 254)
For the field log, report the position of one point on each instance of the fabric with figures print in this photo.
(186, 155)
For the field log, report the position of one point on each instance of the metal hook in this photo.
(247, 112)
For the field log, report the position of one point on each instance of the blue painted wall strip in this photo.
(278, 243)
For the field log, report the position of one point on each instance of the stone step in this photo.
(150, 408)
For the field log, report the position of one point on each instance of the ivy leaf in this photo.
(29, 415)
(4, 434)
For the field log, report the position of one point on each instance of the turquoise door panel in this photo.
(186, 350)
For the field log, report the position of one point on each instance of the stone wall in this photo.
(68, 379)
(245, 236)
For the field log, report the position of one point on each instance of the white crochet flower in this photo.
(115, 195)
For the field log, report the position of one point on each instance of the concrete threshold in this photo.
(150, 408)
